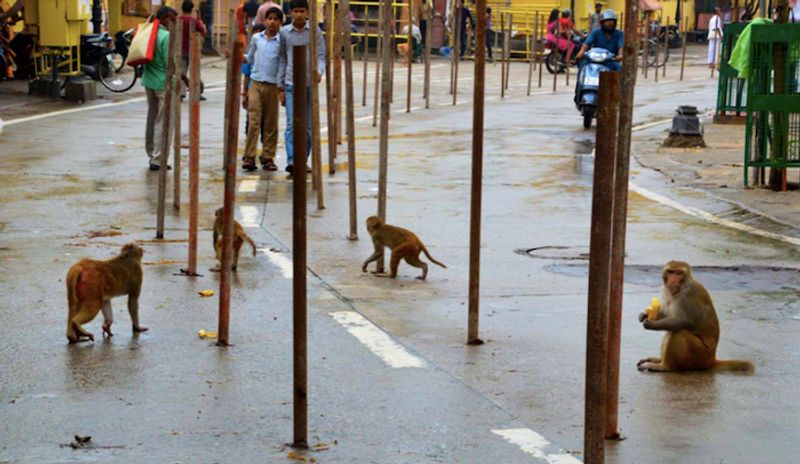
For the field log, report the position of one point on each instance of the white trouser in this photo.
(712, 51)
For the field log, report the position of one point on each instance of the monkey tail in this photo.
(734, 365)
(425, 250)
(251, 242)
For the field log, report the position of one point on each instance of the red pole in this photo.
(194, 146)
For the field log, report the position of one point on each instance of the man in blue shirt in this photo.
(607, 37)
(262, 97)
(297, 33)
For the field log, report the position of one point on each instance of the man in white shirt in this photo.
(714, 36)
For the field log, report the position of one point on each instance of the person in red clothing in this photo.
(186, 16)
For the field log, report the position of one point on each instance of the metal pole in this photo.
(717, 50)
(194, 146)
(502, 55)
(600, 270)
(378, 63)
(351, 123)
(428, 31)
(97, 16)
(410, 57)
(329, 111)
(508, 47)
(228, 83)
(646, 46)
(542, 27)
(299, 252)
(556, 66)
(232, 133)
(386, 84)
(530, 54)
(365, 56)
(619, 219)
(176, 96)
(477, 178)
(685, 28)
(658, 54)
(454, 34)
(456, 54)
(337, 76)
(666, 49)
(316, 135)
(165, 133)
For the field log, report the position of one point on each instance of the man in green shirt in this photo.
(154, 78)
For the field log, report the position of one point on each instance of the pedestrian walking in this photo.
(464, 15)
(296, 33)
(714, 36)
(425, 15)
(262, 96)
(594, 18)
(154, 78)
(187, 16)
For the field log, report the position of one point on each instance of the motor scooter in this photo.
(588, 83)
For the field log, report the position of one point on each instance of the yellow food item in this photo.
(206, 293)
(202, 333)
(653, 309)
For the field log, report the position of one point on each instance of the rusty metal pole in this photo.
(165, 133)
(410, 57)
(508, 47)
(176, 97)
(365, 56)
(453, 44)
(232, 134)
(456, 55)
(329, 112)
(316, 133)
(194, 146)
(351, 124)
(657, 44)
(502, 55)
(539, 34)
(473, 318)
(230, 35)
(299, 252)
(427, 84)
(338, 45)
(684, 28)
(386, 84)
(666, 49)
(378, 63)
(531, 45)
(630, 54)
(646, 46)
(600, 270)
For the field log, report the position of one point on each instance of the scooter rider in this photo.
(607, 37)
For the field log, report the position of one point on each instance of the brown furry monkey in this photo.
(690, 320)
(91, 284)
(239, 237)
(403, 243)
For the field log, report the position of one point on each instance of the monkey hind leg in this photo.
(237, 247)
(685, 351)
(87, 311)
(416, 262)
(648, 360)
(108, 318)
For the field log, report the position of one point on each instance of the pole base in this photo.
(475, 342)
(299, 444)
(616, 436)
(186, 273)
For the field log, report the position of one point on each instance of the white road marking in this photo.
(706, 216)
(378, 341)
(537, 446)
(249, 215)
(280, 260)
(650, 124)
(248, 184)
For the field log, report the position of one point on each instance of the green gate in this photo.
(772, 138)
(731, 97)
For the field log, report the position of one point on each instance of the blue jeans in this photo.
(289, 134)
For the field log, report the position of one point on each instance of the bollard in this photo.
(232, 26)
(329, 112)
(194, 146)
(427, 84)
(456, 54)
(365, 59)
(646, 47)
(477, 176)
(666, 49)
(600, 269)
(657, 44)
(531, 45)
(502, 55)
(316, 133)
(336, 93)
(684, 28)
(351, 123)
(619, 218)
(508, 47)
(165, 133)
(299, 338)
(410, 58)
(176, 105)
(555, 74)
(378, 64)
(539, 34)
(231, 132)
(454, 44)
(386, 84)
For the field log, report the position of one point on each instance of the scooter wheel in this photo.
(588, 115)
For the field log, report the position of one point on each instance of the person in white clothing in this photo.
(714, 36)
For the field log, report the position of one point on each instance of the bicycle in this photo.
(108, 64)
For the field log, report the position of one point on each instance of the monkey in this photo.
(239, 237)
(92, 283)
(690, 320)
(403, 243)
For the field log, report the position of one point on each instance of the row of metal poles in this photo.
(609, 206)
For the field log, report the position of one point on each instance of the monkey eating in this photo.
(403, 243)
(239, 237)
(688, 316)
(92, 283)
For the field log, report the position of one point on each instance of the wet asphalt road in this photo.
(168, 396)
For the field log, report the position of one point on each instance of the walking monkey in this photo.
(403, 243)
(91, 284)
(690, 320)
(239, 237)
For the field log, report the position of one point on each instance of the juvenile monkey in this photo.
(91, 284)
(239, 237)
(403, 243)
(690, 320)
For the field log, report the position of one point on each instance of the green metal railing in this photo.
(772, 138)
(731, 96)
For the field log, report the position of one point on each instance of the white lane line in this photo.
(249, 216)
(650, 124)
(706, 216)
(537, 446)
(248, 184)
(280, 260)
(378, 341)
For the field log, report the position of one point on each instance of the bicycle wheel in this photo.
(651, 54)
(114, 74)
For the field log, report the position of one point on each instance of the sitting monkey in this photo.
(91, 284)
(239, 237)
(403, 243)
(690, 320)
